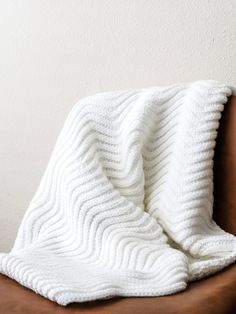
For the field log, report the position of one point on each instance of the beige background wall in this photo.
(53, 52)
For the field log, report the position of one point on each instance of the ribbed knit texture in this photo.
(125, 205)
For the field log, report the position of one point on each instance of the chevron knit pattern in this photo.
(125, 205)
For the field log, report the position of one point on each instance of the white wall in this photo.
(53, 52)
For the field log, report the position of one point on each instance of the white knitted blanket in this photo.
(125, 205)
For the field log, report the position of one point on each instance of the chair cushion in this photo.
(214, 295)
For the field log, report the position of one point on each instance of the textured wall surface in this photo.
(54, 52)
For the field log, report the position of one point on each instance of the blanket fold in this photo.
(125, 205)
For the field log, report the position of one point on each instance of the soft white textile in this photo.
(125, 205)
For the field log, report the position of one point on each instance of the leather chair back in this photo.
(225, 170)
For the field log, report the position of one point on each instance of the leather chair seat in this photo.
(214, 295)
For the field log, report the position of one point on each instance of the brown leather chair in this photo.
(214, 295)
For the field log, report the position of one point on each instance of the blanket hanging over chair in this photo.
(125, 205)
